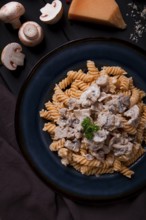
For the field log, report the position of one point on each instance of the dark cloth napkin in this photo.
(24, 196)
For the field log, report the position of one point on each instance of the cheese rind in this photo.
(98, 11)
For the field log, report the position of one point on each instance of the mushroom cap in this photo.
(31, 33)
(11, 11)
(52, 13)
(12, 57)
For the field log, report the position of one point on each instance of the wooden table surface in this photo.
(58, 34)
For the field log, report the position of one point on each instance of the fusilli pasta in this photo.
(109, 98)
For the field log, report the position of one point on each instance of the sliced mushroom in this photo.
(31, 34)
(11, 13)
(133, 114)
(102, 80)
(12, 57)
(52, 13)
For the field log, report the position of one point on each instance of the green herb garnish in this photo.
(89, 128)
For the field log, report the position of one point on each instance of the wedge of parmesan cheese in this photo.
(105, 12)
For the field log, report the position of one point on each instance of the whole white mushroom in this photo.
(52, 13)
(12, 57)
(11, 13)
(31, 33)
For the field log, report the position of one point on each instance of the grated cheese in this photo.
(139, 21)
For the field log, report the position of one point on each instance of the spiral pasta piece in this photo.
(61, 97)
(67, 92)
(53, 111)
(75, 93)
(131, 86)
(113, 70)
(95, 171)
(58, 106)
(117, 165)
(65, 153)
(124, 83)
(74, 85)
(142, 124)
(65, 83)
(83, 161)
(65, 161)
(134, 99)
(92, 69)
(80, 76)
(49, 127)
(135, 157)
(126, 93)
(141, 107)
(54, 99)
(83, 152)
(45, 114)
(144, 113)
(56, 145)
(144, 135)
(126, 172)
(128, 128)
(76, 166)
(142, 94)
(81, 85)
(140, 130)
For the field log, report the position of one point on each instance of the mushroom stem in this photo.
(31, 34)
(16, 23)
(30, 31)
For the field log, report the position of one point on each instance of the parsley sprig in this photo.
(89, 128)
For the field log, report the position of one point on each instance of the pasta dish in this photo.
(97, 120)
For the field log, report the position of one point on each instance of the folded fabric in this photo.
(23, 195)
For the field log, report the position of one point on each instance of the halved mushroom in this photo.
(31, 33)
(11, 12)
(12, 57)
(52, 13)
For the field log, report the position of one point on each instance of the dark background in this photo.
(60, 33)
(23, 195)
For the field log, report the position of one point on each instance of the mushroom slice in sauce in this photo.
(120, 149)
(73, 103)
(104, 96)
(61, 133)
(119, 103)
(108, 120)
(82, 113)
(73, 145)
(100, 136)
(90, 96)
(102, 80)
(133, 113)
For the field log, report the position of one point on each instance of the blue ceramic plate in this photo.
(39, 88)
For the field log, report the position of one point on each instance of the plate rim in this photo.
(32, 72)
